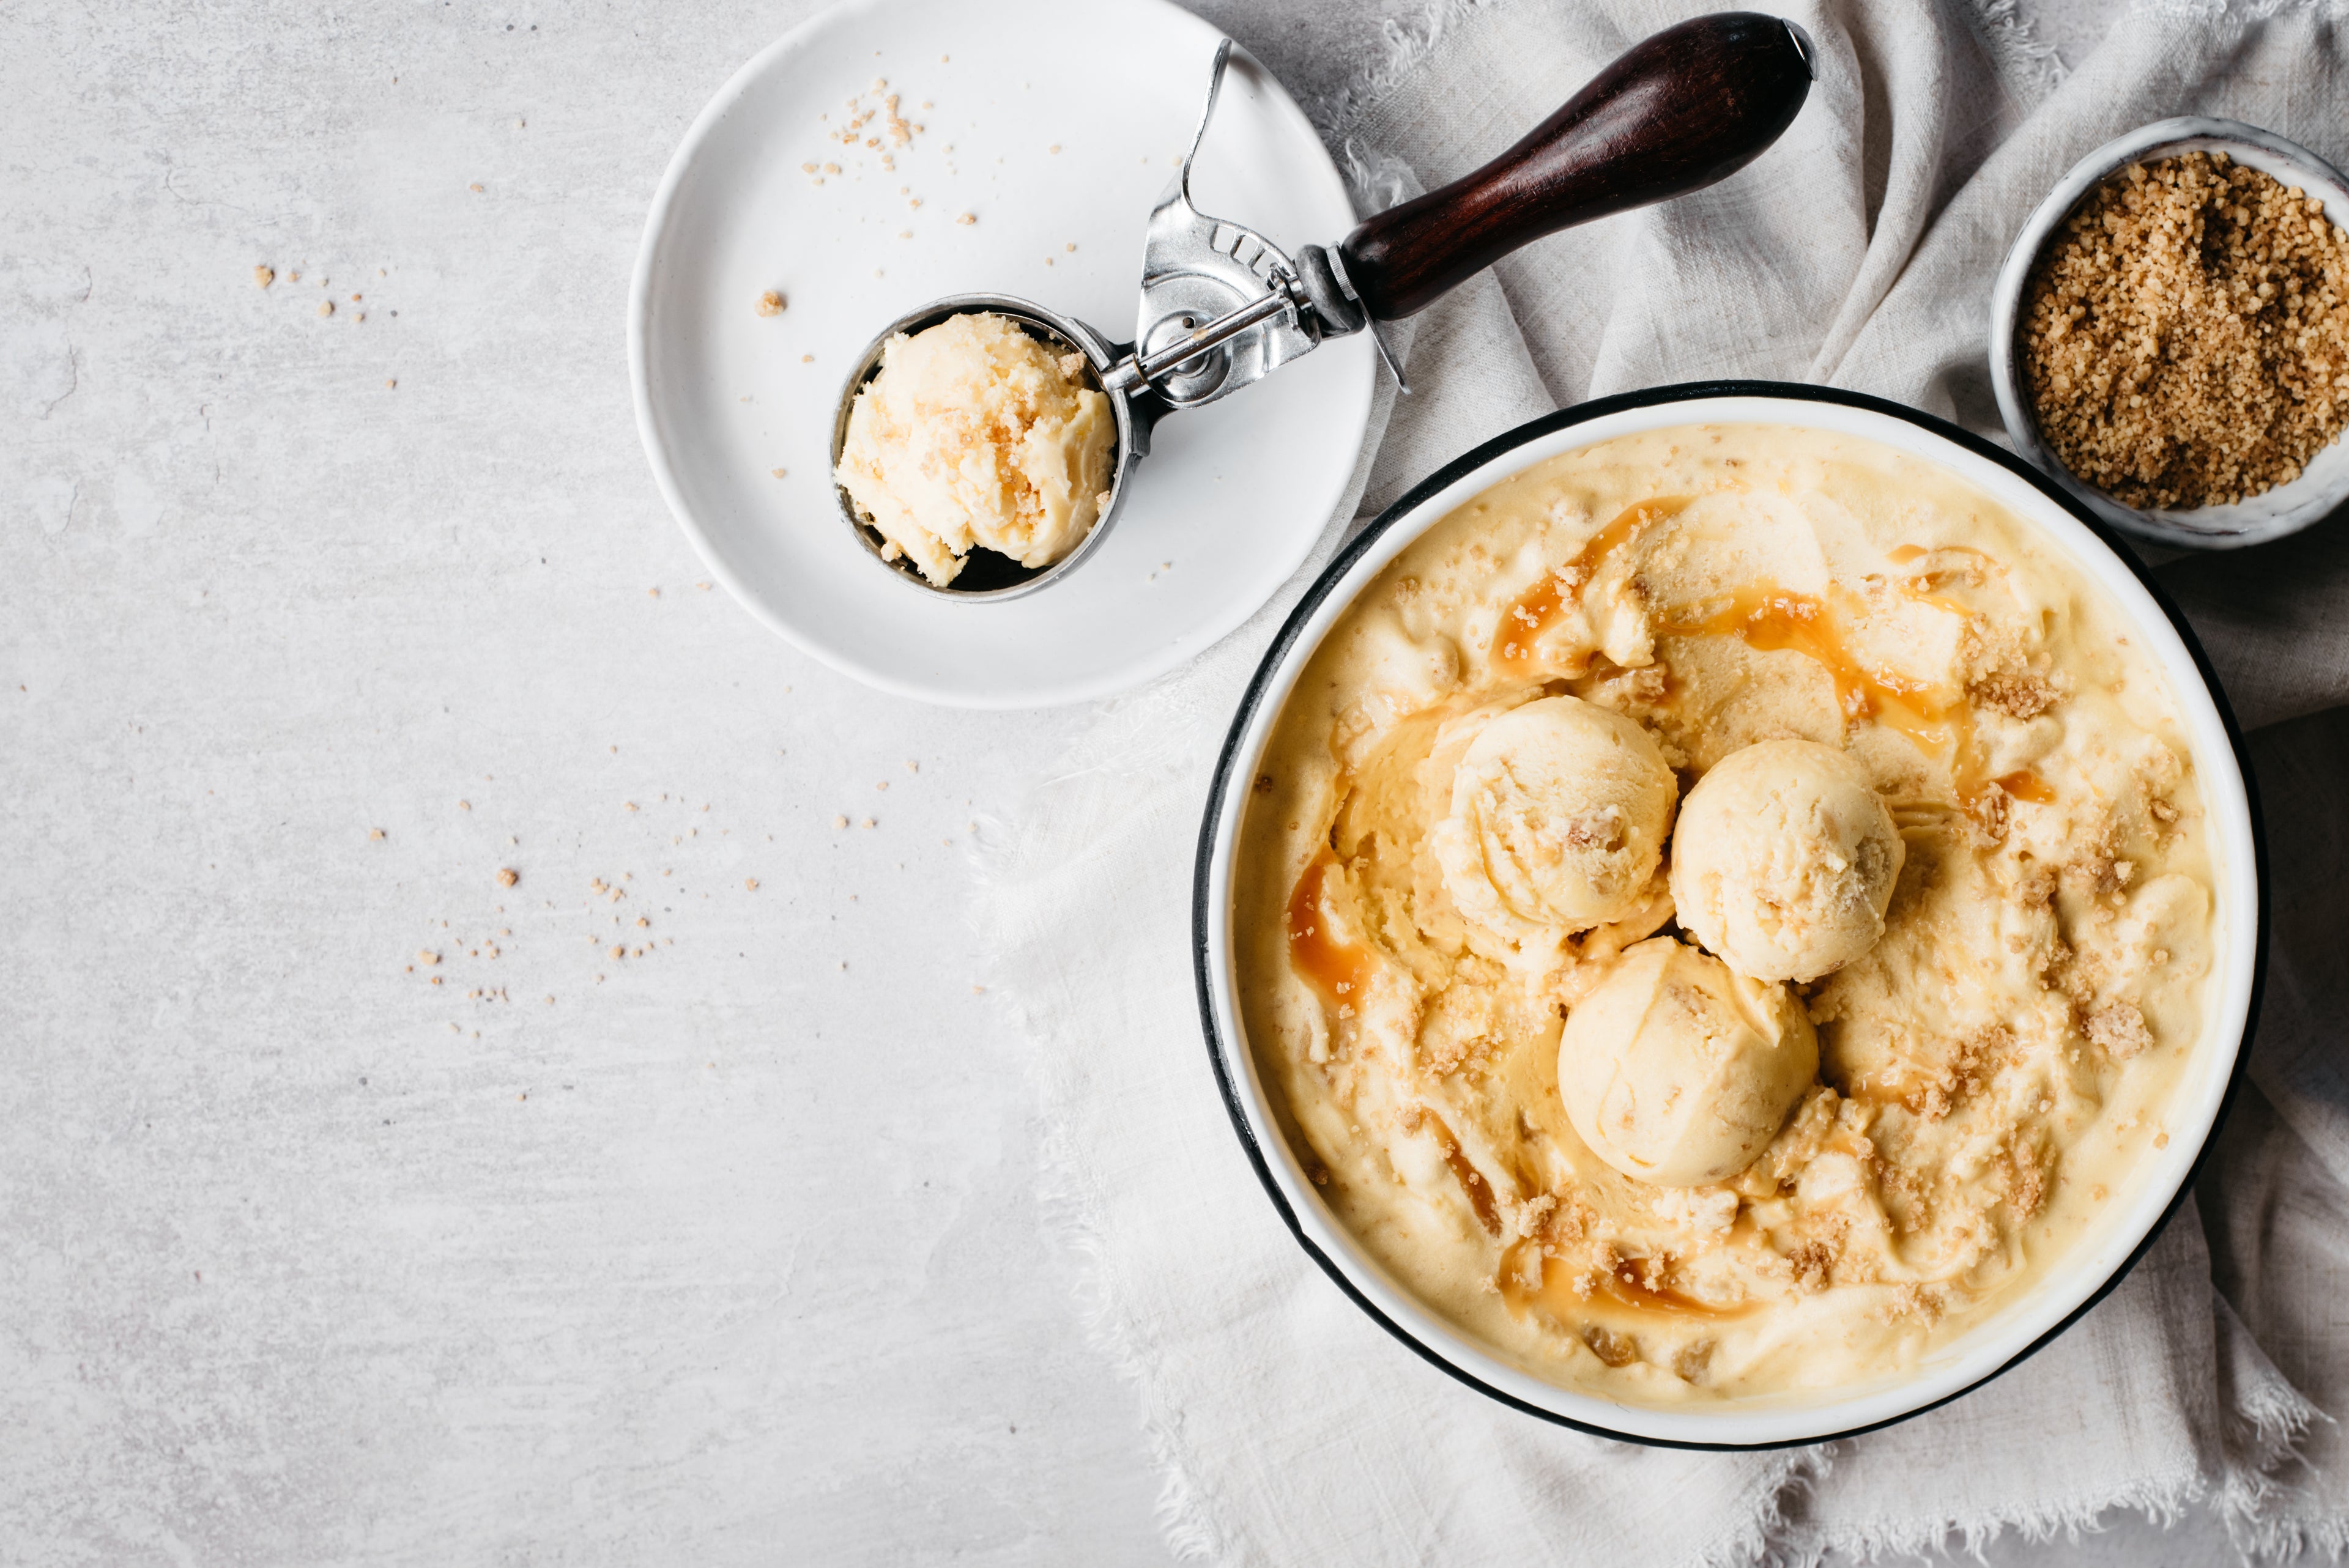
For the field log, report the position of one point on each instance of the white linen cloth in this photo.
(1859, 251)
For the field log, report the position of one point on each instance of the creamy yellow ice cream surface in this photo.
(1455, 938)
(976, 435)
(1784, 860)
(1556, 824)
(1678, 1072)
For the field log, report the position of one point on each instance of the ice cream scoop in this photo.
(1558, 819)
(1222, 306)
(1784, 860)
(975, 434)
(1676, 1071)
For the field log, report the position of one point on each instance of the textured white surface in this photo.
(292, 1270)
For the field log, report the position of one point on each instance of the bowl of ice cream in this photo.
(1728, 915)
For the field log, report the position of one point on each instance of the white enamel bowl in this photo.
(2096, 1263)
(2322, 486)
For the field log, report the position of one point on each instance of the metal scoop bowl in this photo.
(988, 575)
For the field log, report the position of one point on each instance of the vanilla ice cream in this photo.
(1601, 1149)
(1784, 860)
(1558, 819)
(976, 434)
(1676, 1071)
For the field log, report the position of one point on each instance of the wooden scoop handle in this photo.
(1684, 109)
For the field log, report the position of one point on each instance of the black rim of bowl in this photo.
(1203, 896)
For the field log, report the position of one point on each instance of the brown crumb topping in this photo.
(2120, 1030)
(2018, 696)
(1969, 1060)
(1986, 816)
(1813, 1263)
(2185, 334)
(2022, 1164)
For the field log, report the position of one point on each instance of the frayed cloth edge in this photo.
(2028, 64)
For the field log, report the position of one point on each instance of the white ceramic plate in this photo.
(2322, 486)
(2095, 1262)
(1231, 498)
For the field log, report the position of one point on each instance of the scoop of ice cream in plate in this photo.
(1783, 861)
(977, 434)
(1558, 819)
(1677, 1072)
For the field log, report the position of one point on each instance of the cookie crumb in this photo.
(967, 218)
(771, 304)
(2016, 694)
(2185, 339)
(508, 876)
(263, 276)
(2120, 1029)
